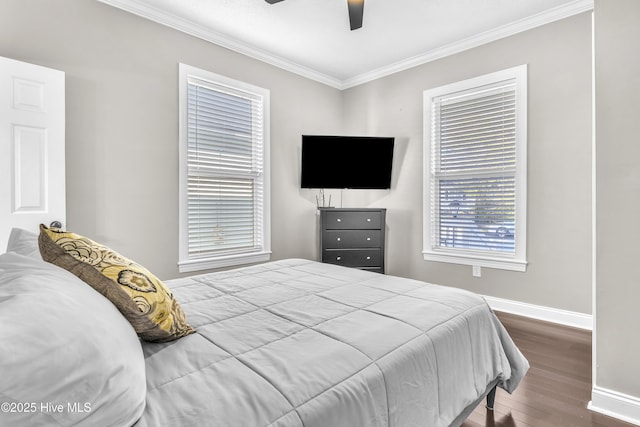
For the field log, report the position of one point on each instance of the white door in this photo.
(32, 126)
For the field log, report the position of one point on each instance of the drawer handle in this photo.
(338, 239)
(338, 258)
(339, 220)
(368, 257)
(368, 239)
(368, 219)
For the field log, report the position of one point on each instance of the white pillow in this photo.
(24, 242)
(68, 357)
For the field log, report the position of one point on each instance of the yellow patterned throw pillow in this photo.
(140, 296)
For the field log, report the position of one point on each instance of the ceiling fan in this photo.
(356, 9)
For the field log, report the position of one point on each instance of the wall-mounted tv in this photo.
(354, 162)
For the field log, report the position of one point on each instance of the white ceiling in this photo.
(312, 37)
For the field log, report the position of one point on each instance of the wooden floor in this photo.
(557, 388)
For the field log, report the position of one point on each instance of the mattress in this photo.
(301, 343)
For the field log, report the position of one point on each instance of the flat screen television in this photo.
(353, 162)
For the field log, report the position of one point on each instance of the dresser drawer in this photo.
(338, 239)
(353, 257)
(345, 220)
(353, 237)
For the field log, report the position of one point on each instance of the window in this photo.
(224, 186)
(475, 171)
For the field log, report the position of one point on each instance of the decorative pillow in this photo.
(140, 296)
(24, 242)
(67, 356)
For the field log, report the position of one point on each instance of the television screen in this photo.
(355, 162)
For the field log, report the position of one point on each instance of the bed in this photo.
(287, 343)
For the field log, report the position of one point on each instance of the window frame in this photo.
(187, 263)
(516, 261)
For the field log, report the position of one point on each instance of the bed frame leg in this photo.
(491, 398)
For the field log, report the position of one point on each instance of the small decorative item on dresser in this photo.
(321, 201)
(353, 238)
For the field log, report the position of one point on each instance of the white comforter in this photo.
(299, 343)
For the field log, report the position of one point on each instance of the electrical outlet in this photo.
(476, 271)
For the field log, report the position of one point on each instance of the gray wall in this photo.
(559, 162)
(122, 123)
(617, 82)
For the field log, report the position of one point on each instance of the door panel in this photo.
(32, 143)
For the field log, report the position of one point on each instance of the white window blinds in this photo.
(474, 169)
(225, 194)
(472, 193)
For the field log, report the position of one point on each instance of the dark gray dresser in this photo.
(353, 237)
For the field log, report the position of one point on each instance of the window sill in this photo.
(222, 261)
(477, 260)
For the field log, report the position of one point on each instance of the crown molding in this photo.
(207, 34)
(555, 14)
(135, 7)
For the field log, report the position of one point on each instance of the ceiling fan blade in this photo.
(272, 1)
(356, 10)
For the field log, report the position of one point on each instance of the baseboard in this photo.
(607, 402)
(614, 404)
(548, 314)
